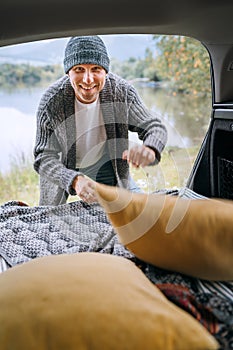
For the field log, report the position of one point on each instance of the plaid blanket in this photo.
(30, 232)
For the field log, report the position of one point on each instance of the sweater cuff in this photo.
(157, 156)
(72, 174)
(157, 146)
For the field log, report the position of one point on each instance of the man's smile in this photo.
(87, 88)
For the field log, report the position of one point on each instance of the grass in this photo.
(21, 183)
(172, 172)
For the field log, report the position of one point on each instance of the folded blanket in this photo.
(30, 232)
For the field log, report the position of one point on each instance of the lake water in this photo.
(186, 118)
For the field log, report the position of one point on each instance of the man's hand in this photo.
(85, 188)
(139, 155)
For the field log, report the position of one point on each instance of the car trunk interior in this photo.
(212, 173)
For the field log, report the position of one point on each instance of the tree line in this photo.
(180, 62)
(183, 63)
(27, 75)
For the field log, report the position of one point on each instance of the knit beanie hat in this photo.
(86, 50)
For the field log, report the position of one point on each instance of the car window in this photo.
(171, 74)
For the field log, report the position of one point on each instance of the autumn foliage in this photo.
(184, 63)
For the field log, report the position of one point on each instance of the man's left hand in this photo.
(139, 155)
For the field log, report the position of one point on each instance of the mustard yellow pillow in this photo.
(91, 301)
(194, 237)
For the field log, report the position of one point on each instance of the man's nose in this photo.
(88, 77)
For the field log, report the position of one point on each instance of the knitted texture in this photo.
(122, 110)
(31, 232)
(86, 50)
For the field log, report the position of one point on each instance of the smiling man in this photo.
(87, 81)
(82, 127)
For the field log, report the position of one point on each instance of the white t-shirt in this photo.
(90, 133)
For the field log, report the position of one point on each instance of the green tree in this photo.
(149, 66)
(126, 69)
(25, 75)
(184, 63)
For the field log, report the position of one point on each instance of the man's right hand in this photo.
(85, 188)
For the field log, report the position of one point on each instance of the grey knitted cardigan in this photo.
(55, 147)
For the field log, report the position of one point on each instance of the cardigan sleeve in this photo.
(48, 154)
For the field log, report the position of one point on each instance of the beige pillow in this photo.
(91, 301)
(194, 237)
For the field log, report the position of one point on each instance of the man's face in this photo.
(87, 81)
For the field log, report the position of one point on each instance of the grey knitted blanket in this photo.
(30, 232)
